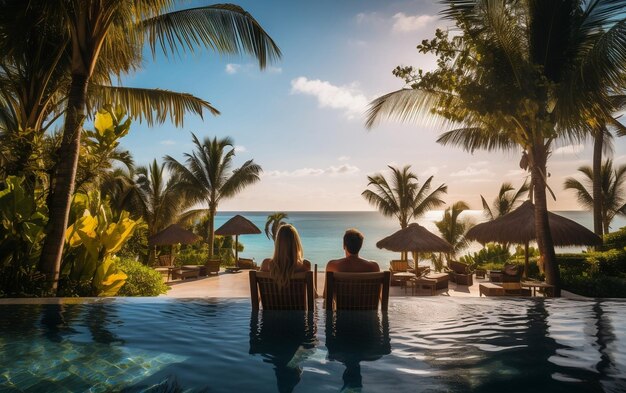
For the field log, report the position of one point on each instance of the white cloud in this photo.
(471, 171)
(368, 18)
(347, 98)
(232, 68)
(428, 172)
(240, 149)
(515, 173)
(570, 149)
(344, 169)
(407, 23)
(168, 142)
(343, 158)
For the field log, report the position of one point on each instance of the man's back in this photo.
(352, 264)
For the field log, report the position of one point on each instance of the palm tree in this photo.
(107, 37)
(505, 202)
(453, 229)
(401, 196)
(520, 75)
(274, 221)
(207, 177)
(613, 196)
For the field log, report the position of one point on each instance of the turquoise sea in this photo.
(322, 232)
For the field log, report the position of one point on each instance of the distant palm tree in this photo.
(207, 177)
(274, 221)
(453, 229)
(505, 202)
(613, 196)
(401, 196)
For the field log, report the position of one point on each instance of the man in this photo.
(352, 243)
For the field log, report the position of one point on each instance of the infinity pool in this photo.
(219, 345)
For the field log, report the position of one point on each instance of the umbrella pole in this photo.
(236, 250)
(526, 264)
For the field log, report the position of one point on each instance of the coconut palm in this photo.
(274, 221)
(207, 176)
(505, 202)
(453, 228)
(401, 195)
(519, 75)
(105, 38)
(613, 196)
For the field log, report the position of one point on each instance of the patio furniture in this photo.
(247, 263)
(403, 279)
(480, 273)
(422, 284)
(357, 291)
(509, 273)
(166, 260)
(297, 295)
(535, 286)
(441, 280)
(185, 272)
(459, 273)
(212, 266)
(398, 266)
(490, 289)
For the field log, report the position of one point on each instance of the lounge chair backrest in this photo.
(357, 291)
(246, 263)
(297, 295)
(399, 266)
(166, 260)
(458, 267)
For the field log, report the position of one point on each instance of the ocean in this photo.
(322, 232)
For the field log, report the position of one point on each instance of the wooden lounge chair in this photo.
(297, 295)
(185, 272)
(357, 291)
(212, 266)
(247, 263)
(460, 273)
(399, 266)
(166, 260)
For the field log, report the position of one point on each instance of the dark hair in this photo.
(353, 241)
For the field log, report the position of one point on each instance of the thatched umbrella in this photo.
(174, 234)
(238, 225)
(414, 238)
(518, 227)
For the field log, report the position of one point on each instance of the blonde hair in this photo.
(287, 254)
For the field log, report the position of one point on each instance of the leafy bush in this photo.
(192, 255)
(614, 240)
(595, 286)
(141, 281)
(609, 263)
(492, 253)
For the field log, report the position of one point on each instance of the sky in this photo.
(302, 118)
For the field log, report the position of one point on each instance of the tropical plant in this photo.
(90, 266)
(612, 191)
(519, 75)
(453, 228)
(105, 39)
(208, 177)
(505, 202)
(274, 221)
(141, 280)
(491, 253)
(23, 218)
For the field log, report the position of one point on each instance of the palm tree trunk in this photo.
(212, 210)
(62, 187)
(597, 181)
(542, 225)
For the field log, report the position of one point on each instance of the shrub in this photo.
(192, 256)
(141, 281)
(609, 263)
(614, 240)
(595, 286)
(492, 253)
(574, 264)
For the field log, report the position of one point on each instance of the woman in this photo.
(287, 258)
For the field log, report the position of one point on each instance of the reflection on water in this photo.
(284, 339)
(217, 345)
(353, 337)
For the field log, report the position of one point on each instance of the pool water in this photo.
(220, 345)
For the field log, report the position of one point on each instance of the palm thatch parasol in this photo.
(238, 225)
(174, 234)
(414, 238)
(518, 227)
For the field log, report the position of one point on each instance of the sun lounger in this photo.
(357, 291)
(459, 273)
(185, 272)
(490, 289)
(297, 295)
(440, 278)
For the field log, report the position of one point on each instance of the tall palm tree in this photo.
(401, 196)
(207, 176)
(505, 202)
(107, 37)
(613, 195)
(453, 228)
(519, 75)
(274, 221)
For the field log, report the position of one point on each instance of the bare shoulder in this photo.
(265, 265)
(374, 266)
(331, 266)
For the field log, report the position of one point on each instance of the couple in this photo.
(288, 258)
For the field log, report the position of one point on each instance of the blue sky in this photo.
(302, 118)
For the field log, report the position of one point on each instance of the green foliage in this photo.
(274, 221)
(615, 239)
(505, 202)
(141, 280)
(453, 228)
(595, 286)
(23, 218)
(609, 263)
(92, 241)
(192, 255)
(491, 253)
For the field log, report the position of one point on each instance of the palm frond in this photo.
(405, 105)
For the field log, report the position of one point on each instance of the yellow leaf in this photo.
(117, 234)
(83, 228)
(103, 122)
